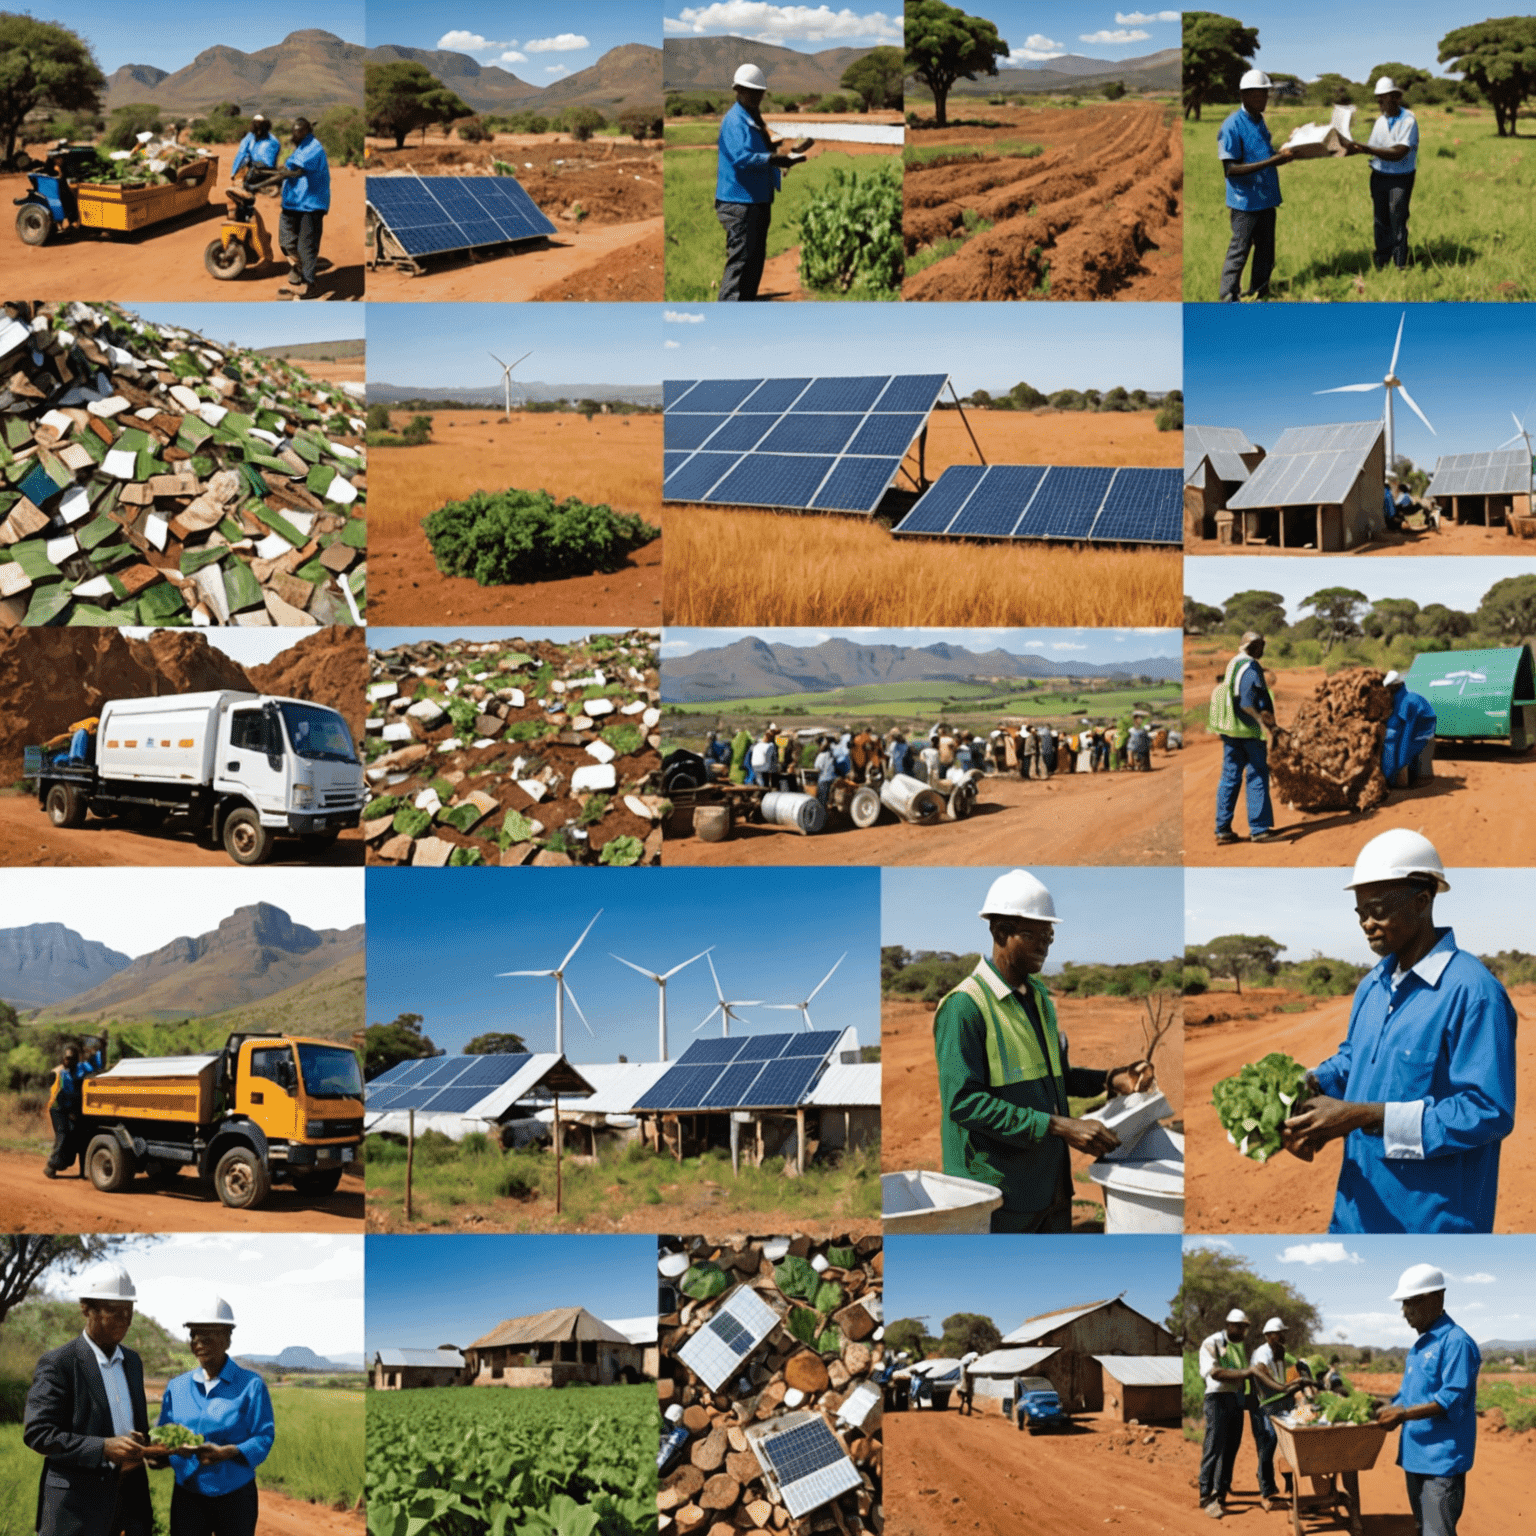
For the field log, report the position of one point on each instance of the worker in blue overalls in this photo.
(306, 200)
(64, 1102)
(258, 148)
(1423, 1087)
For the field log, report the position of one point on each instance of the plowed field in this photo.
(1096, 215)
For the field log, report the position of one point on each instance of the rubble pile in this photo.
(1330, 757)
(328, 667)
(514, 752)
(153, 477)
(828, 1296)
(151, 162)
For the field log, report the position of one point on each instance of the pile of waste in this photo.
(151, 162)
(1330, 757)
(149, 476)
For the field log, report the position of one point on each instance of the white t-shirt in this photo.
(1389, 131)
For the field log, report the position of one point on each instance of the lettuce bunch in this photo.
(1253, 1104)
(1354, 1409)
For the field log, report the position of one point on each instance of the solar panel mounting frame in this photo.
(500, 213)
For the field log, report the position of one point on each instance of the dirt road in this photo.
(71, 1204)
(282, 1516)
(1448, 539)
(1228, 1193)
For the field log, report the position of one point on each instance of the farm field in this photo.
(614, 460)
(1052, 202)
(1472, 226)
(968, 704)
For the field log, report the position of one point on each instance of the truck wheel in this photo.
(864, 808)
(241, 1179)
(65, 807)
(34, 224)
(317, 1183)
(107, 1165)
(225, 262)
(246, 841)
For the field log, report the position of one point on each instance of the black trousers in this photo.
(1390, 197)
(63, 1153)
(298, 235)
(225, 1514)
(1223, 1435)
(746, 248)
(1253, 232)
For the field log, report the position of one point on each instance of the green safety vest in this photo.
(1013, 1047)
(1232, 1358)
(1223, 716)
(1285, 1363)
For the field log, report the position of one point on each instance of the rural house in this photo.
(1079, 1338)
(550, 1349)
(1217, 460)
(1320, 489)
(396, 1369)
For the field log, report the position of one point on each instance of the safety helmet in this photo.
(213, 1312)
(1392, 679)
(970, 1355)
(105, 1282)
(1255, 80)
(750, 76)
(259, 117)
(1398, 855)
(1274, 1325)
(1019, 894)
(1237, 1315)
(1418, 1280)
(1385, 85)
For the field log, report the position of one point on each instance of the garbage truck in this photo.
(267, 1109)
(239, 768)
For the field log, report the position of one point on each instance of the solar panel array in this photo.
(809, 1465)
(1500, 473)
(749, 1072)
(449, 1085)
(432, 214)
(721, 1346)
(816, 444)
(1089, 503)
(1310, 466)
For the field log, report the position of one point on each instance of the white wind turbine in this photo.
(726, 1007)
(562, 989)
(661, 978)
(506, 379)
(1521, 435)
(804, 1009)
(1389, 383)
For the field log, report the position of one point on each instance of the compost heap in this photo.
(718, 1480)
(153, 477)
(514, 752)
(150, 163)
(1330, 758)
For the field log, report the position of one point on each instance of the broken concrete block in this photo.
(431, 853)
(601, 751)
(595, 778)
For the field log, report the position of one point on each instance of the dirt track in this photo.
(1077, 818)
(1096, 216)
(282, 1516)
(1228, 1193)
(1479, 808)
(1449, 539)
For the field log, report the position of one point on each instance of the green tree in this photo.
(980, 398)
(945, 45)
(43, 65)
(404, 96)
(907, 1333)
(580, 122)
(1390, 617)
(876, 78)
(496, 1045)
(1262, 612)
(1199, 618)
(1236, 955)
(1112, 90)
(387, 1045)
(127, 123)
(1508, 608)
(1025, 396)
(965, 1331)
(1338, 609)
(1403, 76)
(1499, 58)
(340, 131)
(641, 123)
(24, 1260)
(377, 419)
(418, 430)
(1170, 414)
(1331, 90)
(1214, 1282)
(1441, 623)
(1217, 50)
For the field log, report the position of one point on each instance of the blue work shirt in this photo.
(1244, 139)
(1410, 728)
(1252, 693)
(262, 151)
(311, 192)
(1439, 1051)
(232, 1409)
(70, 1078)
(1387, 133)
(1441, 1367)
(744, 176)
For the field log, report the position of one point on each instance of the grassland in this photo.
(902, 699)
(1516, 1400)
(1471, 232)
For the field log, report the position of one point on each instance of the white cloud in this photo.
(1209, 1242)
(766, 23)
(672, 346)
(1115, 35)
(682, 317)
(1319, 1253)
(1066, 645)
(566, 42)
(471, 42)
(1037, 46)
(1482, 1277)
(1141, 18)
(556, 70)
(1378, 1328)
(512, 56)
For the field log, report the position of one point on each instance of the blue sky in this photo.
(449, 345)
(804, 28)
(258, 325)
(982, 346)
(1011, 1278)
(539, 45)
(1092, 645)
(1112, 916)
(179, 30)
(437, 942)
(494, 1278)
(1309, 909)
(1255, 366)
(1313, 37)
(1038, 32)
(1488, 1289)
(1459, 583)
(381, 638)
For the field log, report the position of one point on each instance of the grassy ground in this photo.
(903, 698)
(1517, 1400)
(1471, 232)
(692, 133)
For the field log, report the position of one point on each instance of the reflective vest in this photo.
(1013, 1045)
(1223, 717)
(1282, 1375)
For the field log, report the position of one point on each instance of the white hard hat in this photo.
(1019, 894)
(1398, 855)
(1255, 80)
(105, 1282)
(966, 1359)
(258, 117)
(1391, 678)
(1385, 84)
(1237, 1315)
(214, 1312)
(1418, 1280)
(1274, 1325)
(750, 76)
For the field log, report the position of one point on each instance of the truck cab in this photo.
(1037, 1406)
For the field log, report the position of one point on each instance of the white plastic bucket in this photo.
(919, 1200)
(1141, 1196)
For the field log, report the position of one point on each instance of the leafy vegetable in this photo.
(177, 1437)
(1354, 1409)
(829, 1296)
(515, 828)
(1253, 1104)
(385, 805)
(704, 1281)
(623, 737)
(841, 1258)
(830, 1342)
(796, 1278)
(622, 851)
(410, 822)
(851, 233)
(803, 1323)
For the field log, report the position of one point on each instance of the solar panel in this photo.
(772, 480)
(936, 508)
(804, 1460)
(825, 433)
(375, 1097)
(703, 1051)
(682, 1085)
(762, 1047)
(912, 392)
(686, 433)
(782, 1083)
(719, 394)
(1143, 506)
(403, 1072)
(811, 1042)
(492, 1071)
(855, 485)
(730, 1088)
(444, 1072)
(673, 390)
(428, 215)
(752, 1072)
(743, 431)
(887, 435)
(995, 507)
(1067, 503)
(453, 1101)
(721, 1346)
(693, 479)
(1481, 474)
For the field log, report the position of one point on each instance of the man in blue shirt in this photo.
(747, 178)
(64, 1102)
(1241, 710)
(1394, 150)
(258, 148)
(1410, 729)
(306, 199)
(1436, 1406)
(1423, 1087)
(1251, 166)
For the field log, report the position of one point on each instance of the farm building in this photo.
(643, 1333)
(1147, 1388)
(551, 1349)
(1486, 488)
(1217, 460)
(848, 1098)
(394, 1370)
(1479, 695)
(997, 1370)
(1078, 1336)
(456, 1095)
(1320, 488)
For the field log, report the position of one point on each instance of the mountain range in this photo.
(1159, 71)
(46, 962)
(751, 668)
(299, 1357)
(624, 77)
(491, 394)
(707, 64)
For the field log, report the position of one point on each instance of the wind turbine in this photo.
(725, 1008)
(1389, 383)
(1521, 435)
(506, 379)
(562, 989)
(804, 1009)
(661, 978)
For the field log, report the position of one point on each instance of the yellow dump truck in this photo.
(267, 1109)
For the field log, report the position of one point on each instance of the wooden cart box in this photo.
(1316, 1449)
(108, 206)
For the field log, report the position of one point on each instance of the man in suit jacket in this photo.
(87, 1416)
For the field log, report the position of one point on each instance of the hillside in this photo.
(46, 962)
(1151, 72)
(707, 64)
(298, 351)
(38, 1325)
(485, 87)
(331, 1003)
(624, 77)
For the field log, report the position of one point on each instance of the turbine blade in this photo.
(493, 355)
(579, 942)
(707, 1017)
(1519, 425)
(631, 964)
(1398, 345)
(1409, 402)
(1348, 389)
(715, 974)
(828, 977)
(577, 1006)
(668, 975)
(523, 359)
(1508, 440)
(745, 1002)
(783, 1007)
(525, 973)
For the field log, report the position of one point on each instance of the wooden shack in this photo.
(1217, 461)
(1483, 488)
(1147, 1388)
(551, 1349)
(1320, 488)
(1079, 1336)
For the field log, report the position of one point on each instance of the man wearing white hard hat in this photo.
(1251, 165)
(1410, 731)
(86, 1416)
(747, 178)
(1436, 1405)
(1394, 150)
(1224, 1370)
(1423, 1086)
(1004, 1073)
(1268, 1369)
(230, 1408)
(967, 1382)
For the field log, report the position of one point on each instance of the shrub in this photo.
(377, 419)
(1196, 980)
(473, 131)
(580, 122)
(127, 123)
(340, 131)
(417, 430)
(641, 123)
(851, 232)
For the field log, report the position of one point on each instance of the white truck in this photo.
(239, 768)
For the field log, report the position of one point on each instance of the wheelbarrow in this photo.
(1331, 1457)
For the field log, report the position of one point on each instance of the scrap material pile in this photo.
(154, 477)
(789, 1438)
(515, 751)
(150, 163)
(1330, 757)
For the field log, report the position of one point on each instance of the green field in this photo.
(692, 133)
(1515, 1399)
(1470, 234)
(899, 700)
(465, 1461)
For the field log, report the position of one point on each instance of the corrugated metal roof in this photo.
(1196, 476)
(618, 1085)
(435, 1359)
(1310, 466)
(850, 1085)
(1145, 1370)
(556, 1326)
(1223, 446)
(1481, 474)
(492, 1107)
(638, 1330)
(1032, 1328)
(1010, 1362)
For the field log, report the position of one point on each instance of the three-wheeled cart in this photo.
(1331, 1457)
(60, 197)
